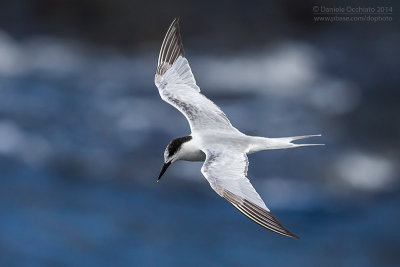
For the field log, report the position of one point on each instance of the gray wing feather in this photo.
(171, 48)
(257, 214)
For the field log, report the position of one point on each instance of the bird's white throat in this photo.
(191, 151)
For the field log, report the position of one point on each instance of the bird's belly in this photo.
(194, 155)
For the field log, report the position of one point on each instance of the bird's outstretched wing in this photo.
(226, 172)
(177, 86)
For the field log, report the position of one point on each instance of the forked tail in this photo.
(264, 143)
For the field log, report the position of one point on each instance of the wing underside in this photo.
(177, 86)
(226, 171)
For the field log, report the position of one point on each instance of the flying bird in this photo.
(213, 139)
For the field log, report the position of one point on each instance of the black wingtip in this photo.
(257, 214)
(171, 48)
(294, 236)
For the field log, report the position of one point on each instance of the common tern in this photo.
(213, 139)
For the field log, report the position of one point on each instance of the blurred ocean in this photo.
(83, 131)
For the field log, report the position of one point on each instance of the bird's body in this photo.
(213, 139)
(192, 149)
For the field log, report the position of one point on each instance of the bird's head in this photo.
(173, 153)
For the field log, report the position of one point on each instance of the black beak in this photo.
(164, 168)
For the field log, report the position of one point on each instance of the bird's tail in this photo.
(264, 143)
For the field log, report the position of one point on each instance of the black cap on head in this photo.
(176, 144)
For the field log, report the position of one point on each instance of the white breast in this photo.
(190, 151)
